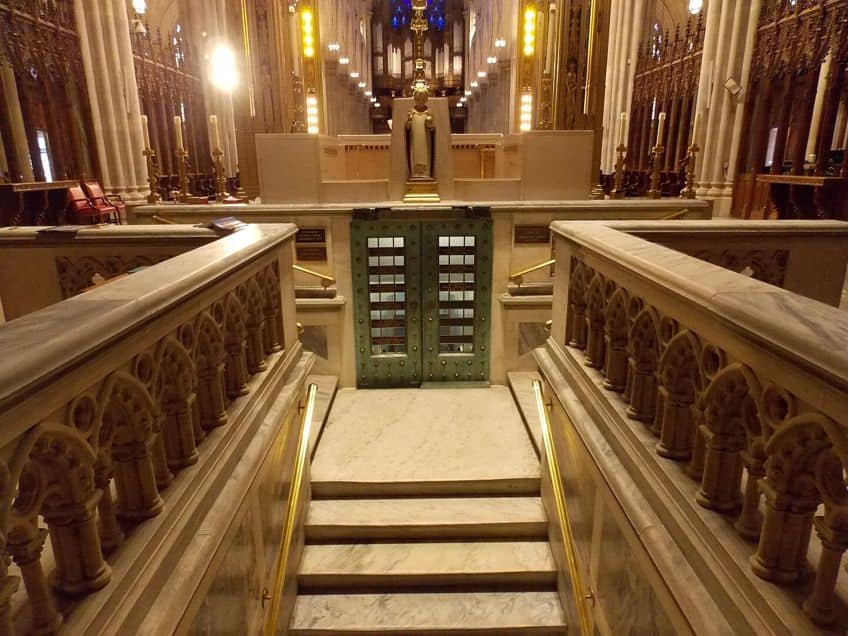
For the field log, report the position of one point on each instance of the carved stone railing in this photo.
(116, 405)
(694, 372)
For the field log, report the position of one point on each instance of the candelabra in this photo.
(152, 175)
(689, 191)
(618, 179)
(657, 155)
(220, 176)
(182, 166)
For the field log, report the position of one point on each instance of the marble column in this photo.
(815, 122)
(20, 146)
(729, 42)
(627, 22)
(113, 95)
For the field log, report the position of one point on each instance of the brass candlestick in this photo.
(152, 175)
(220, 178)
(618, 179)
(657, 154)
(182, 167)
(689, 191)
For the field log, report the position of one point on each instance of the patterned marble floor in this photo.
(410, 435)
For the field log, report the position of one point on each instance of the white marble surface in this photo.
(390, 613)
(413, 435)
(443, 517)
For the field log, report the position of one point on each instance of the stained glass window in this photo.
(401, 12)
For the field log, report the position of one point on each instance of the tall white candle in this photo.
(145, 131)
(660, 128)
(622, 128)
(178, 132)
(216, 136)
(696, 127)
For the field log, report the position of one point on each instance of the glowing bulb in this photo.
(500, 43)
(525, 116)
(368, 93)
(222, 68)
(362, 84)
(307, 29)
(529, 31)
(344, 60)
(139, 6)
(492, 59)
(354, 75)
(474, 84)
(481, 74)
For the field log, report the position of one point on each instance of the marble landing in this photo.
(492, 613)
(414, 442)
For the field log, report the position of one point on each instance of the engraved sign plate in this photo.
(525, 234)
(311, 252)
(311, 235)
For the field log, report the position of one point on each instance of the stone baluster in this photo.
(179, 432)
(236, 346)
(80, 568)
(135, 479)
(785, 536)
(158, 455)
(8, 586)
(676, 426)
(834, 541)
(695, 468)
(722, 471)
(25, 547)
(750, 520)
(110, 531)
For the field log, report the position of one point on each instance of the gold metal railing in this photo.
(325, 279)
(680, 214)
(518, 277)
(583, 598)
(276, 595)
(163, 220)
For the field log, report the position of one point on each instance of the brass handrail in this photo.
(276, 594)
(325, 279)
(581, 596)
(517, 277)
(680, 214)
(161, 219)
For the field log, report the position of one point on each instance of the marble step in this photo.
(427, 518)
(379, 565)
(490, 613)
(506, 486)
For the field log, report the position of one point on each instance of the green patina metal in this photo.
(422, 300)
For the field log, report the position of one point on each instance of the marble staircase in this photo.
(427, 565)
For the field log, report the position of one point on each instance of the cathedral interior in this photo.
(423, 317)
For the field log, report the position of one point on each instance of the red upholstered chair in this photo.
(81, 211)
(111, 203)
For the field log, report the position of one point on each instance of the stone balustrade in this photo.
(695, 372)
(117, 404)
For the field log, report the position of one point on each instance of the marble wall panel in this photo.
(624, 596)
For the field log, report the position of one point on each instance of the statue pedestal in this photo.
(422, 191)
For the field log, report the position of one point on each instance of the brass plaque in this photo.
(532, 234)
(311, 252)
(311, 235)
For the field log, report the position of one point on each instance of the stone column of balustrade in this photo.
(113, 95)
(729, 41)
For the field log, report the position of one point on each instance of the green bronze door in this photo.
(456, 273)
(422, 297)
